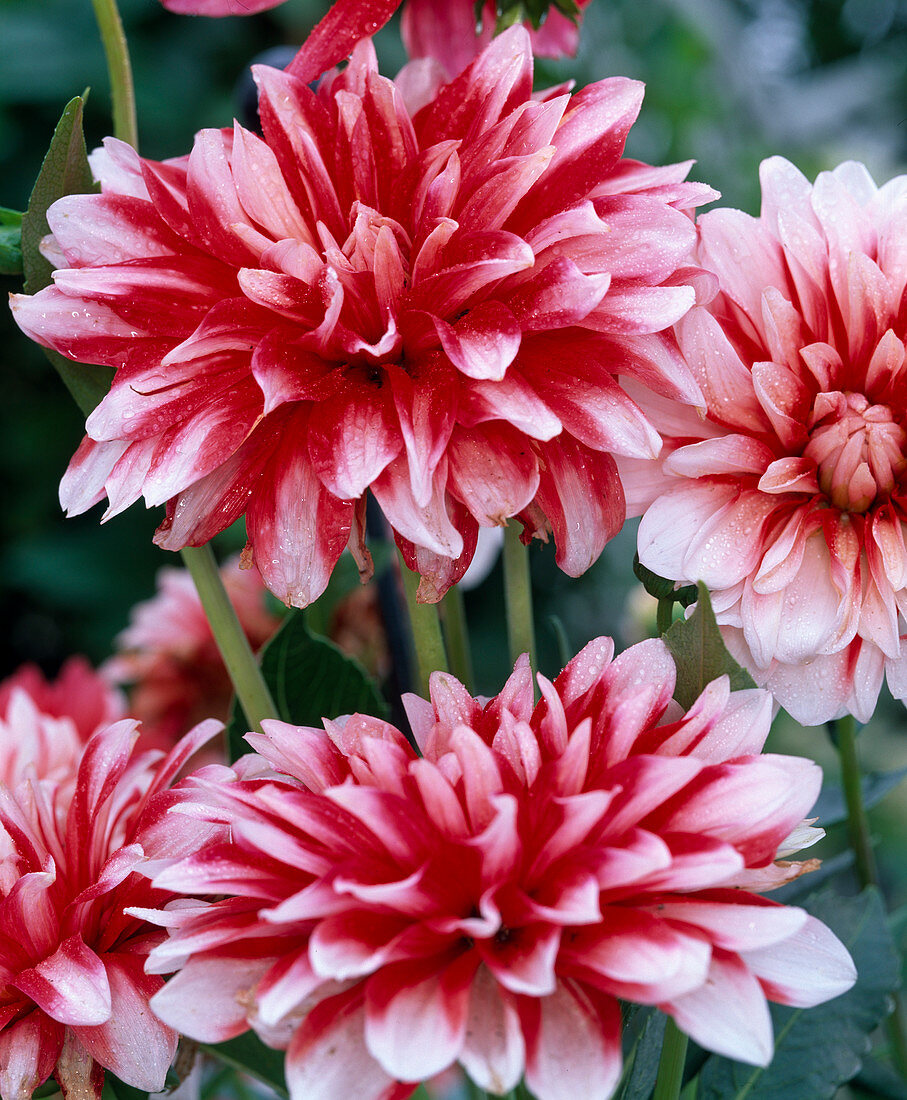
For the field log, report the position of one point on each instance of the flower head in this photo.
(489, 901)
(170, 659)
(73, 990)
(788, 498)
(442, 29)
(423, 290)
(78, 693)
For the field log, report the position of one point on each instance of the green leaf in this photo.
(310, 679)
(879, 1080)
(64, 171)
(818, 1049)
(661, 588)
(830, 807)
(10, 242)
(700, 654)
(639, 1080)
(115, 1089)
(250, 1055)
(87, 384)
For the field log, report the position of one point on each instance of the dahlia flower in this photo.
(73, 990)
(78, 693)
(788, 498)
(445, 30)
(423, 290)
(488, 902)
(170, 659)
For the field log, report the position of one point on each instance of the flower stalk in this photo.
(456, 636)
(119, 67)
(845, 739)
(518, 596)
(664, 615)
(245, 675)
(425, 623)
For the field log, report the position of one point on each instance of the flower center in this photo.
(858, 448)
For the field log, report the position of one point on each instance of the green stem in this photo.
(857, 821)
(867, 870)
(518, 596)
(670, 1067)
(428, 644)
(251, 690)
(664, 616)
(122, 90)
(456, 635)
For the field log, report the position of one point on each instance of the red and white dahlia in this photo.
(788, 498)
(170, 660)
(73, 990)
(423, 290)
(489, 901)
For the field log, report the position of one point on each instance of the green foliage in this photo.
(700, 654)
(115, 1089)
(310, 679)
(10, 242)
(642, 1063)
(510, 12)
(65, 171)
(831, 808)
(661, 588)
(249, 1054)
(818, 1049)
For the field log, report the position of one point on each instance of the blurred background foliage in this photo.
(728, 83)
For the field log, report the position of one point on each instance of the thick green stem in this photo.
(518, 596)
(428, 644)
(456, 635)
(670, 1067)
(664, 616)
(122, 90)
(251, 690)
(867, 870)
(857, 821)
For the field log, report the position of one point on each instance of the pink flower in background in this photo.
(789, 497)
(424, 290)
(446, 31)
(73, 990)
(441, 29)
(170, 660)
(489, 902)
(78, 693)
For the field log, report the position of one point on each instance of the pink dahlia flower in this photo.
(788, 498)
(426, 291)
(73, 990)
(78, 693)
(445, 30)
(170, 660)
(488, 902)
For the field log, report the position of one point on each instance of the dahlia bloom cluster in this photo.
(789, 497)
(426, 290)
(489, 901)
(74, 831)
(168, 656)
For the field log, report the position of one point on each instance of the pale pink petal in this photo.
(727, 1014)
